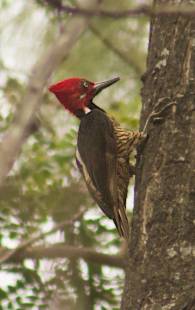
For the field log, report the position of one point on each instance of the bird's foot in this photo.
(142, 140)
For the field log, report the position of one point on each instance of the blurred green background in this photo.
(45, 188)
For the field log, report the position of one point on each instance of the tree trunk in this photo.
(161, 264)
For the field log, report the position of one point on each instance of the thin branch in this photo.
(114, 48)
(65, 251)
(142, 10)
(16, 135)
(23, 245)
(105, 40)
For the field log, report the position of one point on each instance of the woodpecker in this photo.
(103, 147)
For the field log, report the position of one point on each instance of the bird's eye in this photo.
(85, 84)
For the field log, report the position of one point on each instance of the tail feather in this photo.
(121, 222)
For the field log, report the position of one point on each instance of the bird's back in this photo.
(96, 155)
(103, 158)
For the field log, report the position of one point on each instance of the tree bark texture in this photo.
(161, 265)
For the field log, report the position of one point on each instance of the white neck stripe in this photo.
(87, 110)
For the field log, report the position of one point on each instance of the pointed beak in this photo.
(98, 87)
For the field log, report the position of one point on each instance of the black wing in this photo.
(96, 159)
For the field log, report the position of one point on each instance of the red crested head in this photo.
(76, 93)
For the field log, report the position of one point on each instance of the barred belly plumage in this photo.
(126, 143)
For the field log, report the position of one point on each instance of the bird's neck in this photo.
(83, 112)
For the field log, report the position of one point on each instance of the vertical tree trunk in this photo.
(161, 265)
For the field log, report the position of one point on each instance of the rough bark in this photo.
(161, 264)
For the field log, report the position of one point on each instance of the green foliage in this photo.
(4, 3)
(45, 188)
